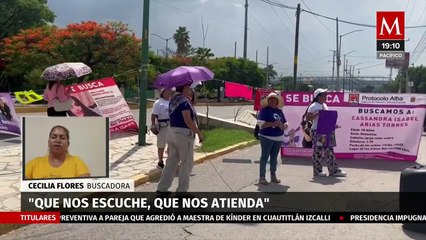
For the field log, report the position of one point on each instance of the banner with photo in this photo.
(8, 119)
(102, 98)
(373, 126)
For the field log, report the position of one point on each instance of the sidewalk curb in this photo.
(156, 173)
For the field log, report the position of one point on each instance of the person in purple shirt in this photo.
(272, 123)
(180, 140)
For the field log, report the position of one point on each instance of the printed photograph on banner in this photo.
(65, 148)
(9, 123)
(83, 105)
(103, 98)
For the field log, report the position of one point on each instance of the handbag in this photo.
(62, 106)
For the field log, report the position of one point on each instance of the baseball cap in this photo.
(319, 91)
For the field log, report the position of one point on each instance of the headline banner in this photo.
(373, 126)
(224, 202)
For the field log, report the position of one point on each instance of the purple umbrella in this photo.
(182, 76)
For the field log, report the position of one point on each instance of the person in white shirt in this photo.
(160, 122)
(320, 97)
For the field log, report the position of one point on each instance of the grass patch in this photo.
(219, 138)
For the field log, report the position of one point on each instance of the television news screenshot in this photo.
(213, 119)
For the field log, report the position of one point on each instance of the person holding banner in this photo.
(180, 140)
(272, 123)
(320, 96)
(58, 163)
(55, 90)
(160, 122)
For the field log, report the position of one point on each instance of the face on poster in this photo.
(8, 119)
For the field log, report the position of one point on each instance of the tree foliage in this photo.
(23, 14)
(106, 48)
(182, 41)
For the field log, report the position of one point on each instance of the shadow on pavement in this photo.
(232, 160)
(124, 157)
(372, 164)
(326, 180)
(272, 187)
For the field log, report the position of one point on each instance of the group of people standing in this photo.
(174, 122)
(272, 123)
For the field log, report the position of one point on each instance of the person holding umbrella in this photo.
(59, 100)
(55, 91)
(180, 140)
(183, 125)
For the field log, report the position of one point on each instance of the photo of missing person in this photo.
(5, 111)
(78, 109)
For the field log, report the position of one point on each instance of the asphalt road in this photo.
(238, 171)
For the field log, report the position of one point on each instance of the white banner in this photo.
(373, 126)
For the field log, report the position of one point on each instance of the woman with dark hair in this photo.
(58, 163)
(55, 90)
(180, 140)
(320, 97)
(5, 110)
(78, 109)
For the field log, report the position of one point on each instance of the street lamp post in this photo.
(339, 54)
(167, 43)
(353, 75)
(344, 67)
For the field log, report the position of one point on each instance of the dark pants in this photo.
(52, 113)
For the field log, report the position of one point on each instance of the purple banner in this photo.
(8, 119)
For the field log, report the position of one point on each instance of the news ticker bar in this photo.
(233, 217)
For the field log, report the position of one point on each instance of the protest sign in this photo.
(8, 119)
(373, 126)
(102, 98)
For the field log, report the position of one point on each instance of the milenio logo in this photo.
(390, 35)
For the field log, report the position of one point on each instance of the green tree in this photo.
(23, 14)
(109, 49)
(202, 55)
(182, 40)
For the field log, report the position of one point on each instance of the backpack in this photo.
(256, 129)
(256, 132)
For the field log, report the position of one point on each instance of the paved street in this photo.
(224, 174)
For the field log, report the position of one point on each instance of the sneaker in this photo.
(263, 181)
(339, 174)
(160, 164)
(321, 174)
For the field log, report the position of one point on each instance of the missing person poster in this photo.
(102, 98)
(9, 123)
(373, 126)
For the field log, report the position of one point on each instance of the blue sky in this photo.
(268, 26)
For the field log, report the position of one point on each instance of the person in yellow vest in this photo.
(58, 163)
